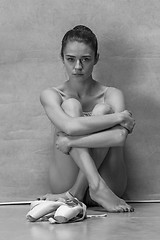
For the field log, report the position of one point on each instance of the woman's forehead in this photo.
(78, 48)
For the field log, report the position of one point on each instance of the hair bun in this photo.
(82, 28)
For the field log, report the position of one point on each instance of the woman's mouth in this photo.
(77, 74)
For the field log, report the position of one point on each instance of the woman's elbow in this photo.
(73, 129)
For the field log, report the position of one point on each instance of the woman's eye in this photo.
(85, 59)
(70, 59)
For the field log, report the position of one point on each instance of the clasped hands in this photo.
(128, 121)
(62, 142)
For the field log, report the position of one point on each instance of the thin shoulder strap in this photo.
(60, 92)
(105, 93)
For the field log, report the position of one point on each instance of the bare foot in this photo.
(108, 200)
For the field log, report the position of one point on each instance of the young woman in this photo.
(91, 127)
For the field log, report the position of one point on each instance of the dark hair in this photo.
(80, 33)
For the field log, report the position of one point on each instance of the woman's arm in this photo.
(115, 98)
(114, 137)
(51, 101)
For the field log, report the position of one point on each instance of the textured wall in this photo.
(129, 45)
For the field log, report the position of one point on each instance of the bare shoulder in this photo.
(49, 96)
(115, 98)
(113, 92)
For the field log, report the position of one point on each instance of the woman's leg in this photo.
(112, 168)
(99, 190)
(63, 171)
(73, 108)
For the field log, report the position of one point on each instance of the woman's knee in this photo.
(102, 109)
(72, 107)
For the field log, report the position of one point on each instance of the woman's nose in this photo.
(78, 65)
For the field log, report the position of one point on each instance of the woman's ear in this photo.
(96, 59)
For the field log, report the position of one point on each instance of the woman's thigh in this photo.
(62, 172)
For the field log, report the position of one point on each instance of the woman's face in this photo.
(79, 60)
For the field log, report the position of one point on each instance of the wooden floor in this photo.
(144, 223)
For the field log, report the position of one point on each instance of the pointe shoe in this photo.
(60, 211)
(65, 213)
(74, 210)
(41, 208)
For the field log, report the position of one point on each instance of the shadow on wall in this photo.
(124, 65)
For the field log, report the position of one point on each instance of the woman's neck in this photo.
(81, 87)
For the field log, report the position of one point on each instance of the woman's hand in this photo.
(128, 121)
(62, 143)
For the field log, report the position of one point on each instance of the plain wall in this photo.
(30, 41)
